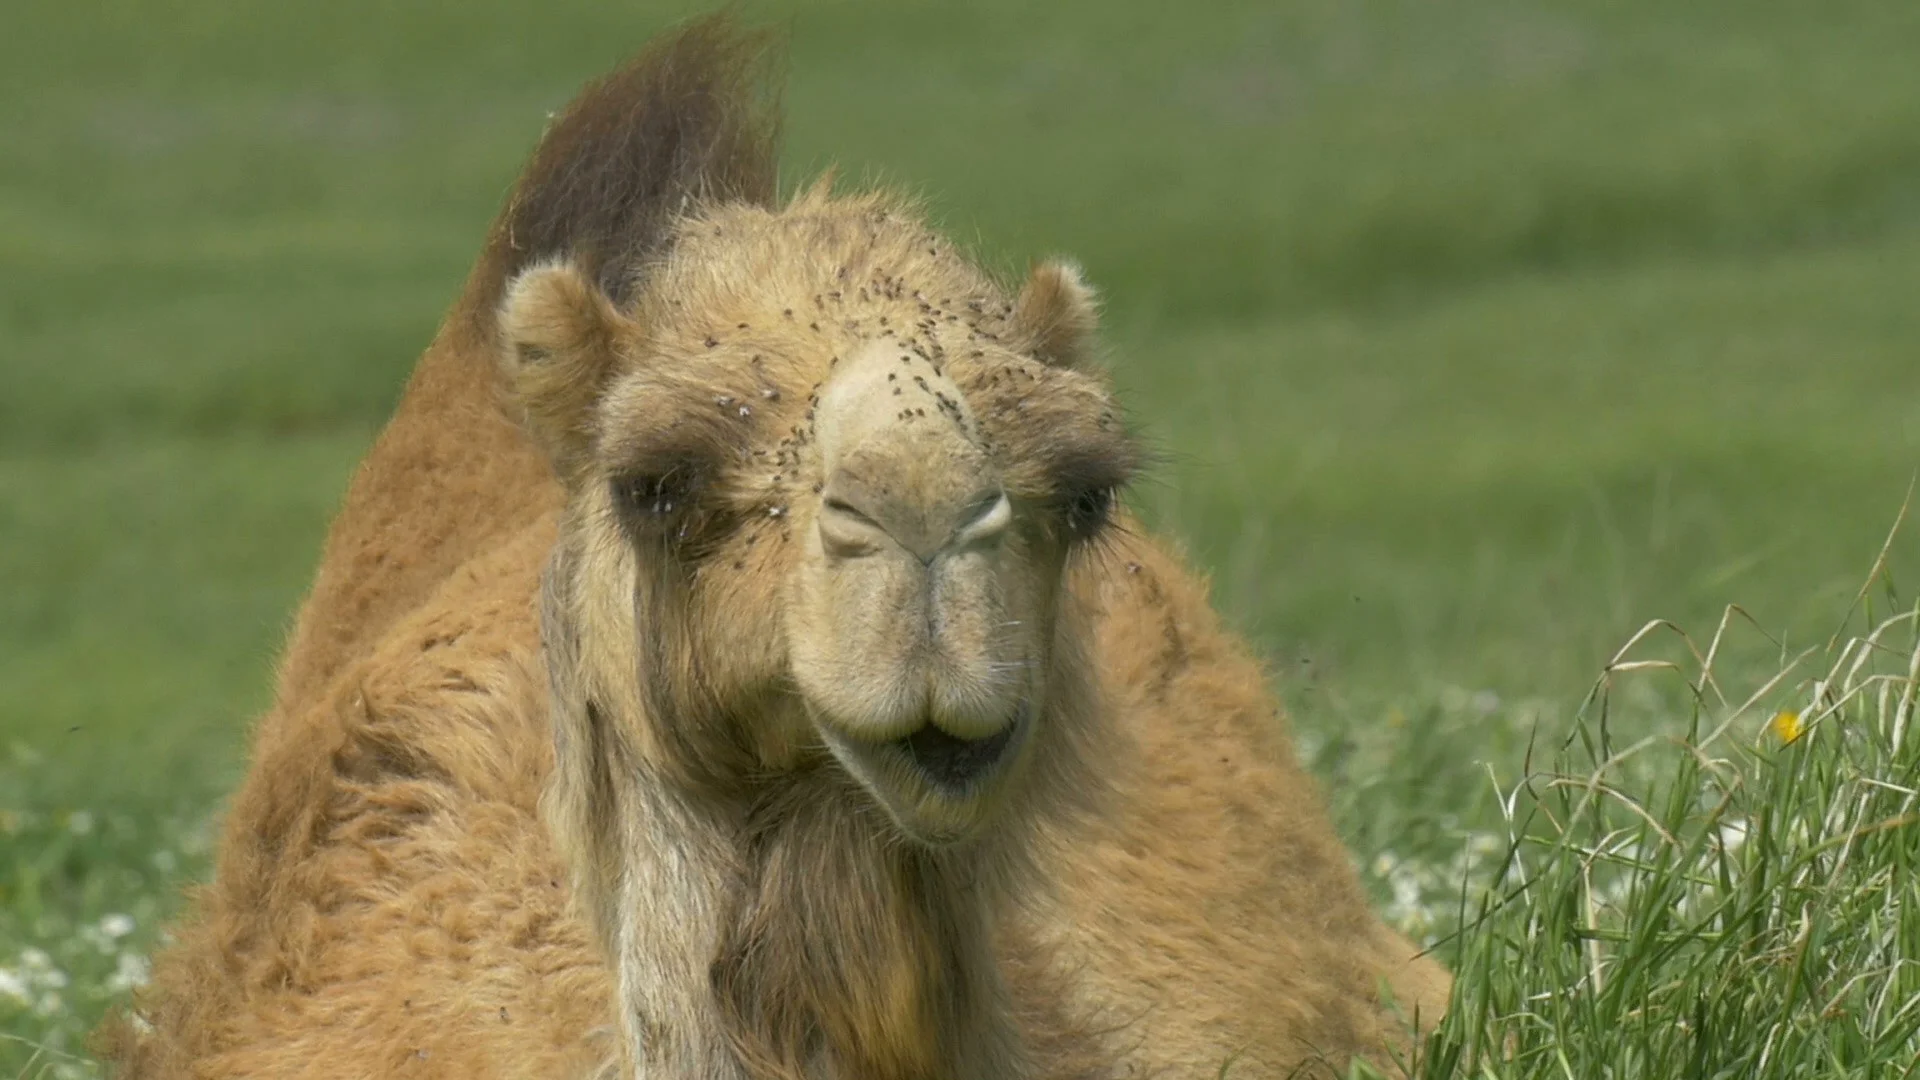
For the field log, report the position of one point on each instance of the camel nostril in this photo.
(847, 530)
(856, 519)
(985, 522)
(951, 761)
(846, 509)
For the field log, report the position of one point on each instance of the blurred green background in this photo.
(1474, 336)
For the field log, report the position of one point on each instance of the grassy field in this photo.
(1475, 335)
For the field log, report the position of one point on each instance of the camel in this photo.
(735, 660)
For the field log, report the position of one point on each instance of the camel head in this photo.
(825, 482)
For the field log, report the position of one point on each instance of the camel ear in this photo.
(1057, 314)
(559, 338)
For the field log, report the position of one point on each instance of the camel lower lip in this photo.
(953, 762)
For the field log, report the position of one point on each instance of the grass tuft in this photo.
(1738, 901)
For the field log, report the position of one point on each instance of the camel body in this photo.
(390, 899)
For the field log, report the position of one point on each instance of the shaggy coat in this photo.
(578, 760)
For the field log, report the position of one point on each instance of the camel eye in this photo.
(1086, 486)
(1087, 511)
(658, 504)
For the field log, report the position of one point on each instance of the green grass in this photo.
(1475, 335)
(1707, 903)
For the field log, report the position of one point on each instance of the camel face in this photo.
(922, 597)
(825, 482)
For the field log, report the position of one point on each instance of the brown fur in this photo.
(1056, 309)
(1149, 884)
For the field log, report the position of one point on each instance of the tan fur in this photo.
(777, 594)
(563, 332)
(1056, 314)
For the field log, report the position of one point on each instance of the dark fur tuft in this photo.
(693, 118)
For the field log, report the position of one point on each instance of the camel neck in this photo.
(828, 947)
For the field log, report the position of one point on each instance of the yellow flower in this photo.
(1786, 724)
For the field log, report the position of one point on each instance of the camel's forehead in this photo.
(792, 292)
(754, 313)
(832, 262)
(887, 395)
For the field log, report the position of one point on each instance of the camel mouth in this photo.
(939, 788)
(951, 762)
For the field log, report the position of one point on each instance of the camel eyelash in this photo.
(1088, 510)
(1086, 485)
(654, 496)
(659, 504)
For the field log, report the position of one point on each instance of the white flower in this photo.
(36, 972)
(80, 823)
(12, 985)
(132, 971)
(116, 925)
(1732, 835)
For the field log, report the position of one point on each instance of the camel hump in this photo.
(693, 117)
